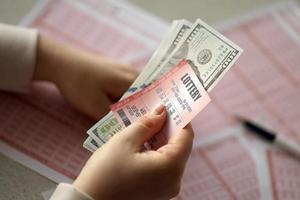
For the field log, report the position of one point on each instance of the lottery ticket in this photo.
(180, 90)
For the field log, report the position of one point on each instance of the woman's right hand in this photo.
(119, 170)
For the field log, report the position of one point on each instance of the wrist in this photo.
(85, 187)
(96, 184)
(48, 61)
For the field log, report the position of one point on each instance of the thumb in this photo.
(180, 145)
(144, 128)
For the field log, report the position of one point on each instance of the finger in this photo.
(133, 72)
(180, 145)
(126, 68)
(99, 107)
(123, 83)
(145, 128)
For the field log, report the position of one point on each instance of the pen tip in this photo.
(239, 118)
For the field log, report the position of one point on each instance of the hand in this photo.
(119, 170)
(89, 82)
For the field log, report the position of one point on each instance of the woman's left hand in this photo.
(89, 82)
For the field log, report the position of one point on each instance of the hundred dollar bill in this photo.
(207, 50)
(165, 48)
(103, 130)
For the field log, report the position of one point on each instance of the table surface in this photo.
(19, 182)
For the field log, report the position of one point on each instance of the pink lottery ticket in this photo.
(180, 91)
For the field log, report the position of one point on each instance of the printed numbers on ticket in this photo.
(179, 90)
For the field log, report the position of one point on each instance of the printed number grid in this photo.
(222, 170)
(285, 175)
(70, 23)
(51, 134)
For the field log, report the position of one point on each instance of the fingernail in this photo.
(159, 109)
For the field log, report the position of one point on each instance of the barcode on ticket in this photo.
(123, 117)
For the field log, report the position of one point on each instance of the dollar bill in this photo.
(166, 47)
(90, 144)
(208, 51)
(103, 130)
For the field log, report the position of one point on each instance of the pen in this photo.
(282, 142)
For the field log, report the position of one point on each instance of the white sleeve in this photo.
(17, 57)
(66, 191)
